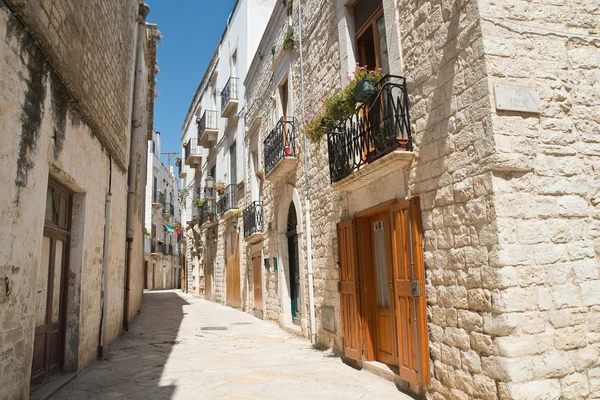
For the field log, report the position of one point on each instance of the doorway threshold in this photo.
(46, 391)
(384, 371)
(293, 329)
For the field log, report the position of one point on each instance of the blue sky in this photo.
(191, 30)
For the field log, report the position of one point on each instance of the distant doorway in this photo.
(294, 274)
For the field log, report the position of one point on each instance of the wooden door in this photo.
(257, 279)
(409, 292)
(349, 295)
(294, 277)
(51, 289)
(381, 265)
(208, 271)
(232, 278)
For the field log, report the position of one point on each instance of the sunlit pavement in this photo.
(181, 347)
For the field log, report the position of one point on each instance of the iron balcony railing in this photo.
(208, 121)
(379, 126)
(169, 208)
(230, 92)
(253, 219)
(208, 211)
(192, 149)
(155, 196)
(228, 200)
(162, 199)
(280, 143)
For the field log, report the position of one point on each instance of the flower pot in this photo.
(364, 90)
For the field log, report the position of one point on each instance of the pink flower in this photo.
(379, 69)
(357, 63)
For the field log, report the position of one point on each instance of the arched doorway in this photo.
(294, 270)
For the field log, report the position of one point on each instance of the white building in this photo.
(162, 269)
(213, 146)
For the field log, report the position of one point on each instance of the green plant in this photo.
(273, 51)
(236, 213)
(260, 174)
(146, 233)
(220, 187)
(289, 43)
(198, 202)
(289, 5)
(338, 105)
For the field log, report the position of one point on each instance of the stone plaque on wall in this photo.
(517, 98)
(328, 318)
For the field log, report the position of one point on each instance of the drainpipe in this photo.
(138, 132)
(103, 351)
(311, 280)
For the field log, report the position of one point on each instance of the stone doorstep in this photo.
(286, 165)
(49, 389)
(377, 169)
(391, 374)
(293, 329)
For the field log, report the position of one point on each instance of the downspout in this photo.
(137, 134)
(311, 287)
(103, 350)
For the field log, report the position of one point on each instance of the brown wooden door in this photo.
(257, 275)
(232, 279)
(208, 272)
(381, 265)
(50, 288)
(409, 291)
(349, 295)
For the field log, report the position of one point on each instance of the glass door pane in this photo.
(41, 296)
(383, 50)
(379, 250)
(58, 263)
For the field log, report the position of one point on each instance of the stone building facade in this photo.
(73, 111)
(508, 193)
(162, 227)
(213, 150)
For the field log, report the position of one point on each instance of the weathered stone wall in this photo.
(89, 50)
(46, 132)
(547, 200)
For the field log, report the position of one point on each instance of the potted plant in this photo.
(364, 90)
(220, 187)
(177, 161)
(260, 174)
(198, 202)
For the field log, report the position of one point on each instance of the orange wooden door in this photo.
(232, 278)
(257, 278)
(409, 293)
(349, 296)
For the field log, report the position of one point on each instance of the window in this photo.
(371, 42)
(232, 164)
(233, 65)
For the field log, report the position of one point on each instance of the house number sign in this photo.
(517, 98)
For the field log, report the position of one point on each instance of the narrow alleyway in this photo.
(181, 347)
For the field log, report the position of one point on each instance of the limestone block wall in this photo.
(96, 68)
(44, 133)
(219, 274)
(547, 199)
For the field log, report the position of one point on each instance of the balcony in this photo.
(169, 209)
(193, 153)
(208, 129)
(229, 97)
(253, 222)
(280, 150)
(208, 211)
(181, 170)
(228, 201)
(158, 199)
(156, 247)
(373, 142)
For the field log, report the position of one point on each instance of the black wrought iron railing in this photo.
(162, 199)
(229, 92)
(253, 219)
(208, 121)
(208, 212)
(228, 200)
(155, 196)
(192, 149)
(280, 143)
(379, 126)
(169, 208)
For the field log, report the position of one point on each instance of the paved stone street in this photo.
(181, 347)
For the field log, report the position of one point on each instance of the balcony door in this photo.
(371, 42)
(48, 347)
